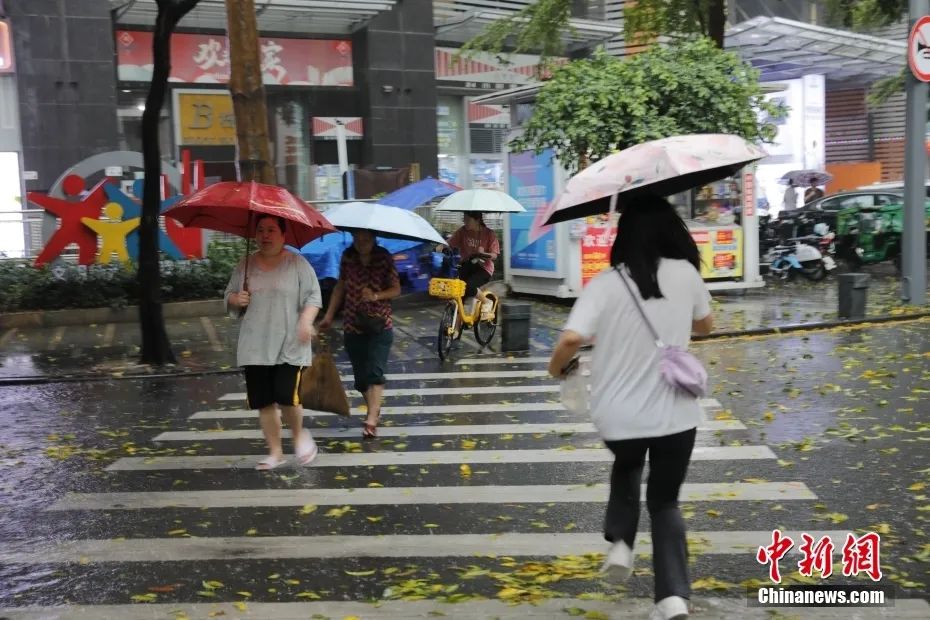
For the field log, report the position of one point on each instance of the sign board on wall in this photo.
(487, 71)
(204, 59)
(721, 250)
(532, 183)
(324, 127)
(204, 118)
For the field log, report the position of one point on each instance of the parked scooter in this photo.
(803, 257)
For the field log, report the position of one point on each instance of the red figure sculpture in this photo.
(70, 229)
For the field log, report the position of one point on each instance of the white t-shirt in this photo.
(629, 399)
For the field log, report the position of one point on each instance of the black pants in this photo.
(668, 464)
(475, 277)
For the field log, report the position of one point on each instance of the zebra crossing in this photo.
(481, 498)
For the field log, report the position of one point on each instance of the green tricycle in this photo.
(868, 235)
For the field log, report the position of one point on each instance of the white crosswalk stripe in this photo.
(579, 455)
(388, 496)
(351, 431)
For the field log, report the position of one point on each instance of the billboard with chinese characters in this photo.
(595, 247)
(204, 59)
(721, 250)
(531, 181)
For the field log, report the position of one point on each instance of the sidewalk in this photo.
(208, 343)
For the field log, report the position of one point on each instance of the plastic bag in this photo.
(576, 389)
(321, 386)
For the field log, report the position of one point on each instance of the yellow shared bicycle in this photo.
(483, 322)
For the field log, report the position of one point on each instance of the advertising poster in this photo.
(204, 59)
(721, 252)
(532, 184)
(595, 247)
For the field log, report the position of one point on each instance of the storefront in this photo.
(12, 237)
(309, 84)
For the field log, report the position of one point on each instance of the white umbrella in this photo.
(383, 220)
(480, 200)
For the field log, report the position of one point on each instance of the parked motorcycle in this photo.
(802, 256)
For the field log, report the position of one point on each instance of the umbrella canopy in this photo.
(803, 178)
(384, 221)
(667, 166)
(234, 208)
(481, 200)
(419, 193)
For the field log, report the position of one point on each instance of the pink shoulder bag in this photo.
(678, 367)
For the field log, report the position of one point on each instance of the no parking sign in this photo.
(918, 49)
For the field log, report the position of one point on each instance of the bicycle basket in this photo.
(446, 288)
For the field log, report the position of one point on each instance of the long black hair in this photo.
(649, 229)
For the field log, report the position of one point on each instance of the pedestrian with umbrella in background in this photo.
(368, 281)
(276, 295)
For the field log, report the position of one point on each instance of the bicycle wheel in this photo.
(446, 327)
(485, 329)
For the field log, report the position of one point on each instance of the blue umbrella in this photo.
(325, 253)
(419, 193)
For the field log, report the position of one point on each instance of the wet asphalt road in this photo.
(844, 411)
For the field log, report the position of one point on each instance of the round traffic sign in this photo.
(918, 49)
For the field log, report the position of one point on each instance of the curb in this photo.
(762, 331)
(130, 314)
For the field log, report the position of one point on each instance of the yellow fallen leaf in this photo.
(360, 573)
(917, 486)
(308, 508)
(240, 606)
(292, 582)
(465, 469)
(375, 485)
(212, 585)
(251, 531)
(374, 519)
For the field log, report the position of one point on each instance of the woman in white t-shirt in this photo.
(633, 408)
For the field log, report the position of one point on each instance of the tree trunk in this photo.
(248, 93)
(156, 349)
(717, 21)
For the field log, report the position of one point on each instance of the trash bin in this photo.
(853, 290)
(515, 326)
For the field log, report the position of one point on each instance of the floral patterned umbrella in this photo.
(667, 166)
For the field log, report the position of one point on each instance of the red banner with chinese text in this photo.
(204, 59)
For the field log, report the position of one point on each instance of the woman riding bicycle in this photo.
(478, 246)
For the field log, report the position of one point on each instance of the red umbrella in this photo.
(233, 207)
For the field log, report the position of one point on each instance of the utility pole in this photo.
(913, 230)
(248, 93)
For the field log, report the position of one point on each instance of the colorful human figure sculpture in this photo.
(132, 209)
(112, 233)
(70, 214)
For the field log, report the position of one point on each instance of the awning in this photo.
(284, 16)
(783, 49)
(460, 21)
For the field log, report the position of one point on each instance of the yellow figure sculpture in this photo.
(112, 233)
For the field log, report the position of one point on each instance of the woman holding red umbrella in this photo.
(280, 296)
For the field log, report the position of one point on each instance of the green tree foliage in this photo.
(646, 20)
(862, 14)
(593, 107)
(536, 28)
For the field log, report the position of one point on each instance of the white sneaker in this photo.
(670, 608)
(619, 563)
